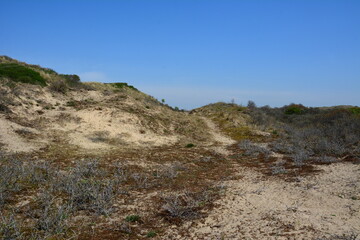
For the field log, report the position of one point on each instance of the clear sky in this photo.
(193, 52)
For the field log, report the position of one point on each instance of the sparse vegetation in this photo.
(151, 167)
(132, 218)
(252, 149)
(61, 195)
(278, 169)
(294, 109)
(151, 234)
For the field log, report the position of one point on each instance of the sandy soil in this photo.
(14, 142)
(259, 207)
(113, 126)
(219, 138)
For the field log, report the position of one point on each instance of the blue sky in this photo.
(193, 52)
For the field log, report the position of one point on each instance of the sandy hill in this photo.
(44, 108)
(106, 161)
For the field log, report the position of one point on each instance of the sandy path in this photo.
(221, 139)
(255, 207)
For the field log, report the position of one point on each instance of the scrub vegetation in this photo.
(106, 161)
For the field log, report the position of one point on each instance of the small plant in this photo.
(151, 234)
(132, 218)
(99, 136)
(190, 145)
(299, 158)
(4, 108)
(52, 219)
(125, 228)
(326, 159)
(9, 228)
(71, 103)
(252, 149)
(278, 169)
(169, 171)
(185, 205)
(141, 180)
(25, 132)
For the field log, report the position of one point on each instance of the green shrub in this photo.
(132, 218)
(190, 145)
(294, 109)
(123, 85)
(71, 103)
(355, 110)
(19, 73)
(151, 234)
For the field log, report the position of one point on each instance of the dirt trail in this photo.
(218, 137)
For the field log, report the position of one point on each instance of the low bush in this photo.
(299, 158)
(294, 109)
(51, 218)
(190, 145)
(58, 86)
(278, 169)
(185, 205)
(151, 234)
(20, 73)
(132, 218)
(311, 132)
(71, 79)
(355, 110)
(123, 85)
(252, 149)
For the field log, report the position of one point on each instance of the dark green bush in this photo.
(19, 73)
(294, 109)
(132, 218)
(151, 234)
(355, 110)
(190, 145)
(122, 85)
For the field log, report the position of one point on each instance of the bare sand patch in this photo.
(256, 207)
(12, 141)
